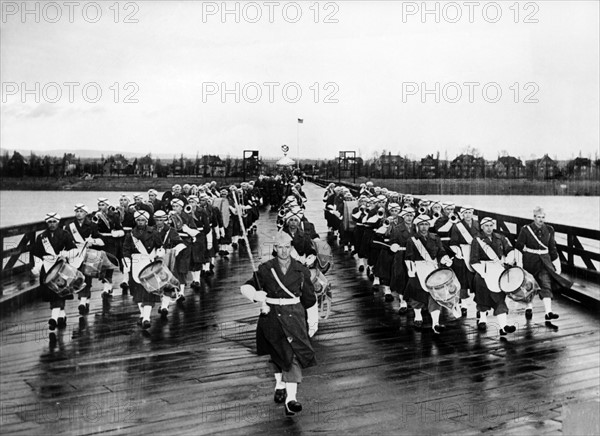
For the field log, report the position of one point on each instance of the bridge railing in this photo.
(578, 248)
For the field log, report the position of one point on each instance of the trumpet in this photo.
(362, 208)
(381, 212)
(436, 215)
(282, 212)
(112, 209)
(188, 209)
(95, 218)
(422, 210)
(388, 221)
(454, 218)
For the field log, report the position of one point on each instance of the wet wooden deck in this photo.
(197, 373)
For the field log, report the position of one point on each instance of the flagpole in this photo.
(298, 144)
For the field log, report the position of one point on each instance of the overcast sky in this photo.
(370, 65)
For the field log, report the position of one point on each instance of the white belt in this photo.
(532, 251)
(445, 239)
(283, 301)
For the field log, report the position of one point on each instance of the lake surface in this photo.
(19, 207)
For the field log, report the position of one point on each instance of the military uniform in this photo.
(414, 291)
(484, 298)
(151, 240)
(60, 240)
(539, 252)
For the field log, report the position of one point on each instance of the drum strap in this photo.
(76, 235)
(489, 251)
(139, 246)
(536, 238)
(464, 232)
(166, 236)
(48, 246)
(287, 291)
(421, 249)
(105, 219)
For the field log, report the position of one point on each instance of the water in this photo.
(19, 207)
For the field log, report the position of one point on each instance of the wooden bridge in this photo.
(197, 372)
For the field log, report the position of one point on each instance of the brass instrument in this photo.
(175, 221)
(422, 210)
(362, 208)
(381, 212)
(188, 209)
(436, 215)
(453, 218)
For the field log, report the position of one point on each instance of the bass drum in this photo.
(518, 284)
(156, 278)
(65, 279)
(443, 286)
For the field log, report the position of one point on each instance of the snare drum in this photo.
(443, 286)
(156, 278)
(518, 284)
(92, 263)
(65, 279)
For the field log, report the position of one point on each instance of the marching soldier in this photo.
(288, 322)
(461, 239)
(154, 201)
(423, 252)
(111, 233)
(400, 236)
(140, 248)
(540, 258)
(85, 234)
(488, 252)
(390, 229)
(173, 245)
(50, 246)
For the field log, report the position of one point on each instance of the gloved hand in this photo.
(260, 296)
(160, 252)
(446, 261)
(557, 265)
(117, 233)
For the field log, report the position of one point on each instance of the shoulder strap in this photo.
(489, 251)
(48, 246)
(75, 232)
(139, 246)
(536, 238)
(287, 291)
(464, 232)
(421, 249)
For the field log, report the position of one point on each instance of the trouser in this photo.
(545, 281)
(293, 375)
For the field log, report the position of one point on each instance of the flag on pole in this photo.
(300, 121)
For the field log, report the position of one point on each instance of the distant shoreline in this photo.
(105, 183)
(588, 188)
(413, 186)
